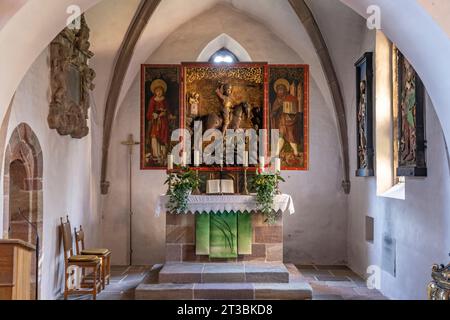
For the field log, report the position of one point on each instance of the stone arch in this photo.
(23, 173)
(224, 41)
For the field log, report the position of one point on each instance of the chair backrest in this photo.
(66, 234)
(79, 239)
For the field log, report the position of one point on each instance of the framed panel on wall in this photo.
(364, 116)
(409, 107)
(160, 113)
(289, 113)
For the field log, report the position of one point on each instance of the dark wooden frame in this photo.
(419, 169)
(143, 111)
(364, 71)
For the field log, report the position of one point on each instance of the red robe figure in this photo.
(158, 117)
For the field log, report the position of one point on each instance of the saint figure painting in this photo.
(159, 113)
(289, 109)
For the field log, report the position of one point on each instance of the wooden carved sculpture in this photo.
(71, 81)
(364, 116)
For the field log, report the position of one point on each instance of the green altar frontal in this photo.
(223, 236)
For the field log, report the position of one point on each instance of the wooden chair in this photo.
(89, 284)
(104, 254)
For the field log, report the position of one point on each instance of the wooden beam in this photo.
(135, 30)
(309, 22)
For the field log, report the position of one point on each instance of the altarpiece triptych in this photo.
(225, 97)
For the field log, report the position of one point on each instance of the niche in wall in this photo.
(23, 194)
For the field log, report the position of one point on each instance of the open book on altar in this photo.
(221, 186)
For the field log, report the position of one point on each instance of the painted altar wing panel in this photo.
(202, 234)
(289, 113)
(223, 235)
(245, 233)
(160, 113)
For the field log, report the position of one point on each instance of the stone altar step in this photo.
(224, 291)
(180, 273)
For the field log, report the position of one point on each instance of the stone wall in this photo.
(267, 244)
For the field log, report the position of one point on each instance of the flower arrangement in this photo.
(181, 184)
(266, 187)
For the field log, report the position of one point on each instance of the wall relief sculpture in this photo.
(409, 95)
(71, 81)
(364, 116)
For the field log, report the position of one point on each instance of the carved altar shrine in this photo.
(224, 228)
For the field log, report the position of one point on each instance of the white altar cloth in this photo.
(227, 203)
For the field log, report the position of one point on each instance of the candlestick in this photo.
(278, 173)
(169, 189)
(170, 162)
(245, 192)
(197, 189)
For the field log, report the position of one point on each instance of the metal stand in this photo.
(197, 192)
(169, 189)
(277, 191)
(130, 143)
(245, 192)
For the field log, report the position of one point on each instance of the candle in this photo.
(184, 159)
(277, 165)
(245, 160)
(262, 163)
(197, 158)
(170, 162)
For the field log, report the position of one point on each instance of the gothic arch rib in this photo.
(306, 17)
(137, 26)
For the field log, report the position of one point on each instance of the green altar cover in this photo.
(224, 235)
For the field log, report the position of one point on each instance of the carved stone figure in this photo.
(71, 81)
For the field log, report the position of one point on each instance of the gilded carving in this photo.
(439, 288)
(71, 81)
(249, 74)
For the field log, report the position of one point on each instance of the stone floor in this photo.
(328, 283)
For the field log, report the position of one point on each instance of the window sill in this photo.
(398, 192)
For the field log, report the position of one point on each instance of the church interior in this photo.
(224, 149)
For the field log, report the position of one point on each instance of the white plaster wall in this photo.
(317, 231)
(420, 224)
(66, 174)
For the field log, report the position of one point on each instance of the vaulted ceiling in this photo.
(110, 20)
(278, 16)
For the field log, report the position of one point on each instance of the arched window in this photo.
(223, 56)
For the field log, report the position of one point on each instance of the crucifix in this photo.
(130, 143)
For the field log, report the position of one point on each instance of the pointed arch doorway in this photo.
(23, 197)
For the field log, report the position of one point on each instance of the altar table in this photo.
(198, 236)
(227, 203)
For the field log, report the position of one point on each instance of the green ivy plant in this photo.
(181, 185)
(266, 185)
